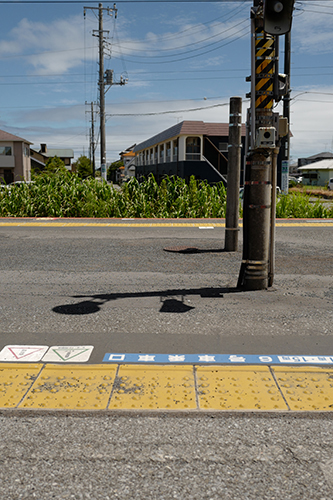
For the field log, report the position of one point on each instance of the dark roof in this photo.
(188, 128)
(326, 155)
(6, 136)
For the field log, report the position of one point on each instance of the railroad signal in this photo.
(278, 16)
(281, 87)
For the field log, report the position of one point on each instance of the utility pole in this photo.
(269, 19)
(285, 141)
(234, 161)
(92, 146)
(103, 79)
(101, 92)
(92, 138)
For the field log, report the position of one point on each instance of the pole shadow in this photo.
(92, 304)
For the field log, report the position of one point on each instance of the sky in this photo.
(182, 60)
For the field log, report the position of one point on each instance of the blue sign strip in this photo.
(212, 359)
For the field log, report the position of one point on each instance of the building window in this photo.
(168, 151)
(175, 150)
(307, 175)
(223, 147)
(140, 158)
(6, 150)
(193, 146)
(162, 153)
(155, 154)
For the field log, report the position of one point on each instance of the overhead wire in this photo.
(187, 45)
(153, 113)
(200, 27)
(242, 33)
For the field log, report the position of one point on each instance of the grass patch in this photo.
(312, 191)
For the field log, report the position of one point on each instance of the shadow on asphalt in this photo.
(169, 304)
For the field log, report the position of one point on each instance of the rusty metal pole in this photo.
(234, 160)
(271, 269)
(257, 188)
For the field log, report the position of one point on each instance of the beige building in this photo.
(14, 158)
(41, 156)
(317, 174)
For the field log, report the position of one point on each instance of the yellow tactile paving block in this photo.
(238, 388)
(71, 387)
(15, 380)
(306, 388)
(154, 388)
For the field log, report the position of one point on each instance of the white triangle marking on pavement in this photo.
(23, 352)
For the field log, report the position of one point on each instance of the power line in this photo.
(170, 112)
(200, 26)
(15, 2)
(187, 45)
(195, 55)
(196, 71)
(150, 80)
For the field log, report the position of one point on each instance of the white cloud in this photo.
(311, 122)
(312, 28)
(51, 48)
(184, 41)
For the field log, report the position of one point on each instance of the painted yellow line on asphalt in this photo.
(156, 224)
(172, 387)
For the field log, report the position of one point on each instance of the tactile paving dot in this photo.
(238, 388)
(306, 388)
(154, 387)
(15, 380)
(71, 387)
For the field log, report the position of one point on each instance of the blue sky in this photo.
(177, 56)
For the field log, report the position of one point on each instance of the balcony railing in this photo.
(7, 161)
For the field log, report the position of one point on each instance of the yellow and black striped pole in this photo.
(264, 69)
(254, 273)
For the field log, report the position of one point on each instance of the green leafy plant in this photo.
(67, 195)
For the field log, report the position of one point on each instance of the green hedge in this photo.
(67, 195)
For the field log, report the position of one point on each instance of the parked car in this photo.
(330, 184)
(19, 183)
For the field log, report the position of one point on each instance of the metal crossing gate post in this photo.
(258, 175)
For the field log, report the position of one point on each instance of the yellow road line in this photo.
(173, 387)
(134, 224)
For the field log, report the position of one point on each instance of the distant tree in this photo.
(83, 167)
(55, 166)
(111, 172)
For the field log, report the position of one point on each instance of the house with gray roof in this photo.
(302, 162)
(188, 148)
(318, 173)
(40, 157)
(14, 158)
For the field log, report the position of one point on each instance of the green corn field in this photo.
(67, 195)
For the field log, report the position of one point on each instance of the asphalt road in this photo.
(116, 288)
